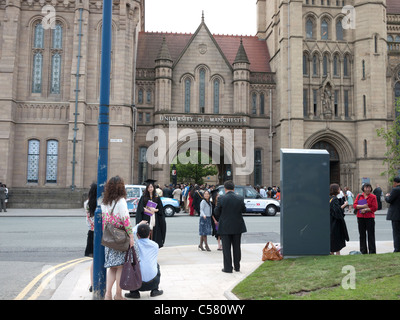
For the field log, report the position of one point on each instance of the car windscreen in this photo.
(132, 192)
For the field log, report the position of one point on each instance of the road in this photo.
(30, 245)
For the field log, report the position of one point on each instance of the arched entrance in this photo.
(334, 160)
(342, 156)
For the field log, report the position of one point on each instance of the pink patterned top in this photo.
(120, 216)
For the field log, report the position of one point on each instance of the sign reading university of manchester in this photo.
(203, 119)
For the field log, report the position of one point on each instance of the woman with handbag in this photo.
(115, 212)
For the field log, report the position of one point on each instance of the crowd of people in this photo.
(222, 218)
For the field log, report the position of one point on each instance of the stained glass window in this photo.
(202, 91)
(216, 96)
(51, 161)
(57, 37)
(39, 36)
(339, 30)
(55, 73)
(187, 95)
(33, 160)
(37, 72)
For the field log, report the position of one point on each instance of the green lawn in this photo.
(377, 277)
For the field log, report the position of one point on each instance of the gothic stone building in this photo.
(301, 82)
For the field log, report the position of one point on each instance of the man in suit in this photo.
(231, 225)
(393, 198)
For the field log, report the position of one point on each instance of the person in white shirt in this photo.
(149, 268)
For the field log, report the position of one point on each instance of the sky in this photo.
(234, 17)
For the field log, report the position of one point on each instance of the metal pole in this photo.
(99, 272)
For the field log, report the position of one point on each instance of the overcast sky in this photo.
(237, 17)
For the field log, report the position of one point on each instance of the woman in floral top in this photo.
(115, 210)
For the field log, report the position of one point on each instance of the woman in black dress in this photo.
(155, 217)
(339, 234)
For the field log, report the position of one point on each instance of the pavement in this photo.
(186, 272)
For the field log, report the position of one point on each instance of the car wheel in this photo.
(270, 210)
(169, 211)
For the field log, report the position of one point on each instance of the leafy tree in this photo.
(195, 171)
(392, 139)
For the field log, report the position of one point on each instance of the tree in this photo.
(392, 138)
(195, 171)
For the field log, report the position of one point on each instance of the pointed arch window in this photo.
(188, 85)
(33, 160)
(336, 65)
(346, 66)
(339, 30)
(262, 103)
(254, 103)
(47, 51)
(324, 30)
(309, 29)
(315, 65)
(325, 65)
(202, 91)
(216, 95)
(37, 66)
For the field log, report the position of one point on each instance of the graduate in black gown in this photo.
(158, 225)
(339, 234)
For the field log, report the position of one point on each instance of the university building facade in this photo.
(301, 82)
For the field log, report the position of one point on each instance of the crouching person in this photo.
(148, 254)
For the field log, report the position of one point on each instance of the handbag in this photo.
(270, 252)
(115, 238)
(131, 276)
(355, 210)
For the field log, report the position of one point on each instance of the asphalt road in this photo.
(30, 245)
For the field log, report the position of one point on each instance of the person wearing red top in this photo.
(366, 218)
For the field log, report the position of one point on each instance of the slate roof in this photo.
(149, 46)
(393, 6)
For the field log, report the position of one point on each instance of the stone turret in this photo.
(163, 78)
(241, 79)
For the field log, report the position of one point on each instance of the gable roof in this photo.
(393, 6)
(149, 45)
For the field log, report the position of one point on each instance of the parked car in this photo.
(134, 192)
(254, 202)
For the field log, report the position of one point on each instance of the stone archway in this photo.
(342, 155)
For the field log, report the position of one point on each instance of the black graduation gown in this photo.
(160, 228)
(339, 234)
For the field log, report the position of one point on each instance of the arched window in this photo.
(142, 174)
(254, 103)
(148, 96)
(315, 65)
(262, 103)
(309, 29)
(336, 65)
(324, 30)
(37, 66)
(202, 91)
(305, 64)
(339, 30)
(53, 48)
(188, 84)
(51, 161)
(325, 65)
(345, 66)
(257, 167)
(216, 95)
(140, 96)
(33, 160)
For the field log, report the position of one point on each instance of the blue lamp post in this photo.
(99, 272)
